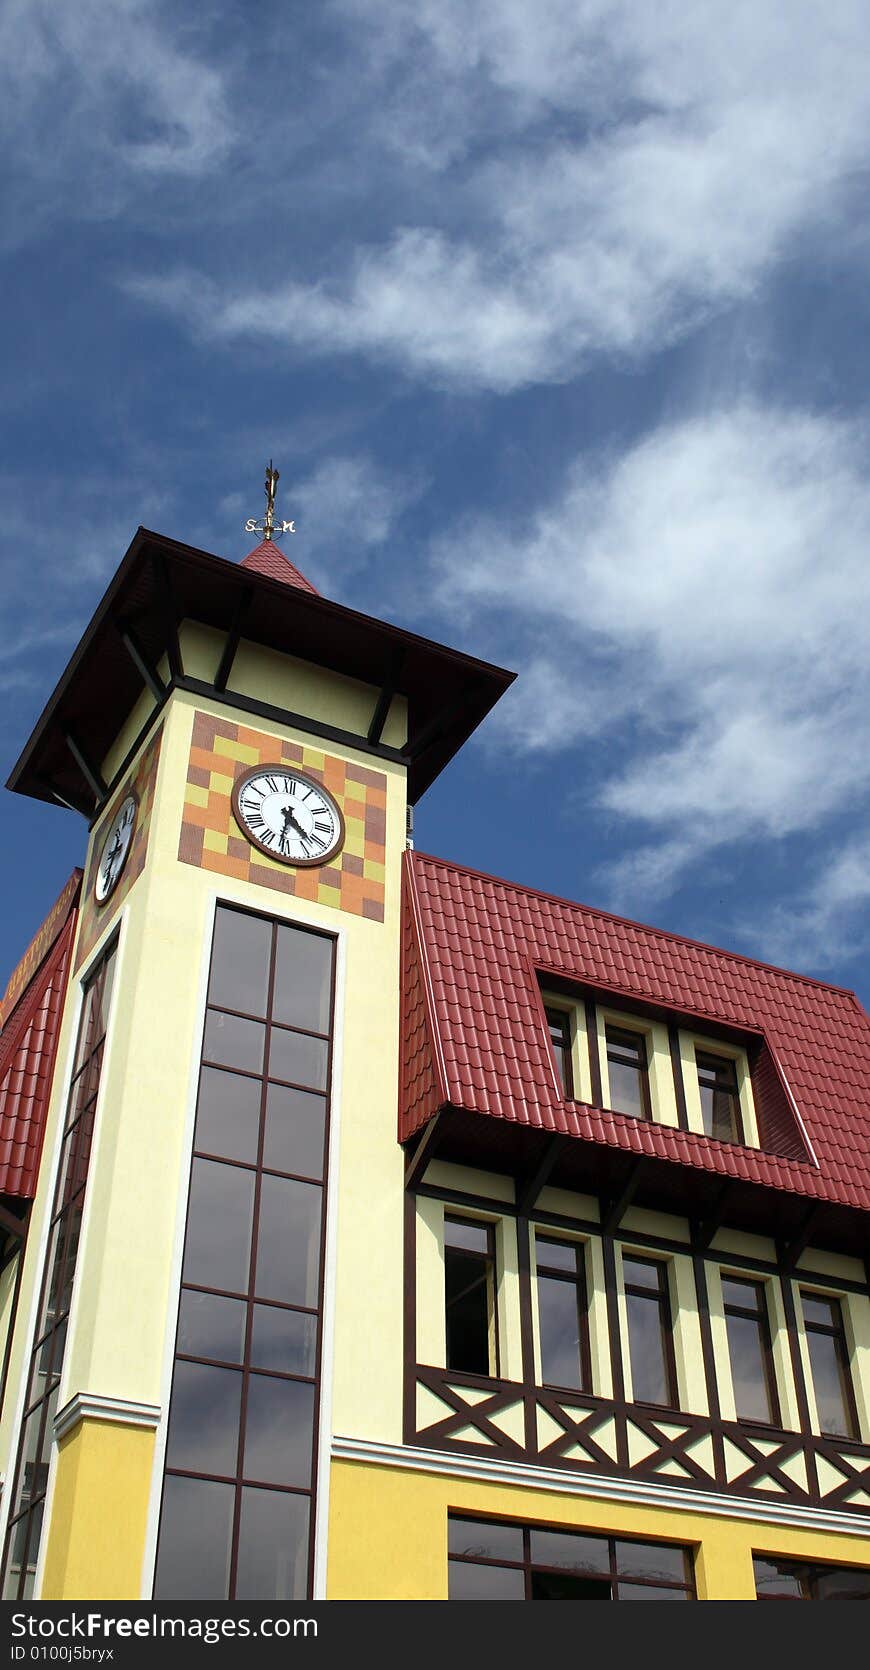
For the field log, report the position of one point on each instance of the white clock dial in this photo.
(287, 815)
(116, 846)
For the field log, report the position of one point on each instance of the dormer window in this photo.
(647, 1064)
(559, 1023)
(720, 1097)
(628, 1072)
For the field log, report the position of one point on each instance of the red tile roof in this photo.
(266, 558)
(473, 1032)
(28, 1046)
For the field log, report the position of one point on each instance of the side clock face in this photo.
(115, 849)
(287, 815)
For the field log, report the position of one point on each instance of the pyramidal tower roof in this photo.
(267, 559)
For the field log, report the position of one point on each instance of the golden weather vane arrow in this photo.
(269, 528)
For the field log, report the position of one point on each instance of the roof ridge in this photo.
(643, 927)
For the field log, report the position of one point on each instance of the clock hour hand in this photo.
(290, 817)
(111, 855)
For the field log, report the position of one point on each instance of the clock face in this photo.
(116, 846)
(287, 815)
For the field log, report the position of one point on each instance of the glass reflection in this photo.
(569, 1551)
(278, 1430)
(485, 1541)
(231, 1042)
(240, 962)
(559, 1323)
(273, 1546)
(288, 1246)
(284, 1340)
(470, 1582)
(228, 1115)
(296, 1057)
(211, 1326)
(303, 980)
(650, 1559)
(217, 1251)
(193, 1554)
(295, 1129)
(204, 1419)
(649, 1372)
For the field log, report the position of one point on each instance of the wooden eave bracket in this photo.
(385, 699)
(148, 673)
(12, 1224)
(234, 636)
(706, 1228)
(529, 1192)
(87, 768)
(423, 1152)
(440, 723)
(618, 1207)
(168, 612)
(792, 1249)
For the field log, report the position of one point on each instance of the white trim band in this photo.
(91, 1407)
(638, 1492)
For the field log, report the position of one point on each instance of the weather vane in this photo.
(269, 528)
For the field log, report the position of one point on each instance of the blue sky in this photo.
(555, 321)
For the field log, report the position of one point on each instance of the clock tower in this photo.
(211, 1283)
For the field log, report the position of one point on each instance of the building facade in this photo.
(378, 1229)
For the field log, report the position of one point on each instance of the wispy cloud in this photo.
(614, 175)
(705, 601)
(826, 923)
(101, 96)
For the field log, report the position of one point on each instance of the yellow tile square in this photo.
(235, 750)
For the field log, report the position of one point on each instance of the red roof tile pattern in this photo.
(267, 559)
(474, 944)
(28, 1046)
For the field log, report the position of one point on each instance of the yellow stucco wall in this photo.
(388, 1532)
(97, 1529)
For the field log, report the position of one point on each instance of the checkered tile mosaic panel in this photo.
(143, 780)
(220, 752)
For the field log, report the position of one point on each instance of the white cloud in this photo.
(705, 603)
(101, 94)
(827, 923)
(611, 173)
(348, 506)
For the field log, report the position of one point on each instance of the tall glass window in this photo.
(720, 1098)
(749, 1348)
(829, 1357)
(559, 1025)
(628, 1072)
(237, 1515)
(46, 1361)
(650, 1332)
(470, 1297)
(563, 1316)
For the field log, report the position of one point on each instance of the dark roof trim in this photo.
(161, 582)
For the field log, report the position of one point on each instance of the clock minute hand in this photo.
(290, 817)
